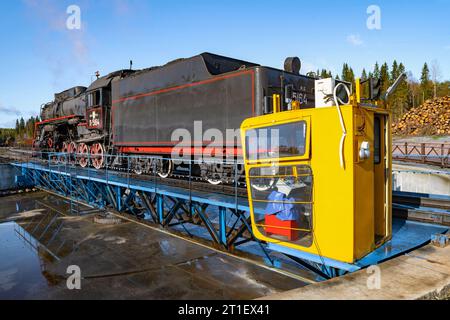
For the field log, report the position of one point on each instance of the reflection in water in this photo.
(28, 246)
(120, 261)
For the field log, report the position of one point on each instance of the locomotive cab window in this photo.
(94, 99)
(280, 141)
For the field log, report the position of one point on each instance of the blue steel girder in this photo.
(76, 191)
(177, 204)
(160, 207)
(223, 226)
(119, 198)
(57, 183)
(81, 189)
(102, 196)
(115, 195)
(236, 232)
(215, 235)
(93, 197)
(42, 181)
(166, 209)
(111, 196)
(149, 205)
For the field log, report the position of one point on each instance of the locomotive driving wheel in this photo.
(215, 177)
(97, 155)
(164, 168)
(139, 165)
(63, 157)
(52, 158)
(72, 150)
(83, 155)
(267, 181)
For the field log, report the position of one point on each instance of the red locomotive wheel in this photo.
(83, 155)
(97, 155)
(72, 152)
(63, 157)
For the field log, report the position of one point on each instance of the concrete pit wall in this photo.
(7, 177)
(420, 180)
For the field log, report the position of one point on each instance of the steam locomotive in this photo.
(136, 112)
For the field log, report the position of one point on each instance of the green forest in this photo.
(21, 134)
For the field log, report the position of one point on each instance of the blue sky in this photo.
(40, 56)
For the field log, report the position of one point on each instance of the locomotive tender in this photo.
(135, 112)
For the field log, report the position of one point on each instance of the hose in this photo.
(341, 120)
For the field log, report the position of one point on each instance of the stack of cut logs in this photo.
(431, 118)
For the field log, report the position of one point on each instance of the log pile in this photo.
(431, 118)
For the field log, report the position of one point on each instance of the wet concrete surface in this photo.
(41, 235)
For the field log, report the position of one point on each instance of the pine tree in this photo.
(395, 71)
(325, 74)
(376, 71)
(425, 83)
(364, 75)
(399, 100)
(21, 127)
(385, 77)
(365, 88)
(348, 74)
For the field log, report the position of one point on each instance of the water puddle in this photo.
(30, 242)
(22, 263)
(40, 237)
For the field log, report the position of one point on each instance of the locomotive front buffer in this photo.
(319, 179)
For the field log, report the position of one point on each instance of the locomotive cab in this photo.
(96, 99)
(318, 179)
(95, 134)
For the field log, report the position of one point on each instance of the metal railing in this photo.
(123, 167)
(147, 196)
(426, 153)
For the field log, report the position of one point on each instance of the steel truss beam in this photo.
(227, 228)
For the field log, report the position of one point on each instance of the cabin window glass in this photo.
(377, 140)
(282, 199)
(94, 99)
(280, 141)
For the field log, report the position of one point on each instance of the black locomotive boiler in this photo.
(135, 112)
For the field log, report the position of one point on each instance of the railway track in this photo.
(193, 184)
(422, 207)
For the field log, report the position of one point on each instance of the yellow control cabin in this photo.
(319, 180)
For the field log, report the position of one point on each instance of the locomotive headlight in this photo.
(364, 151)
